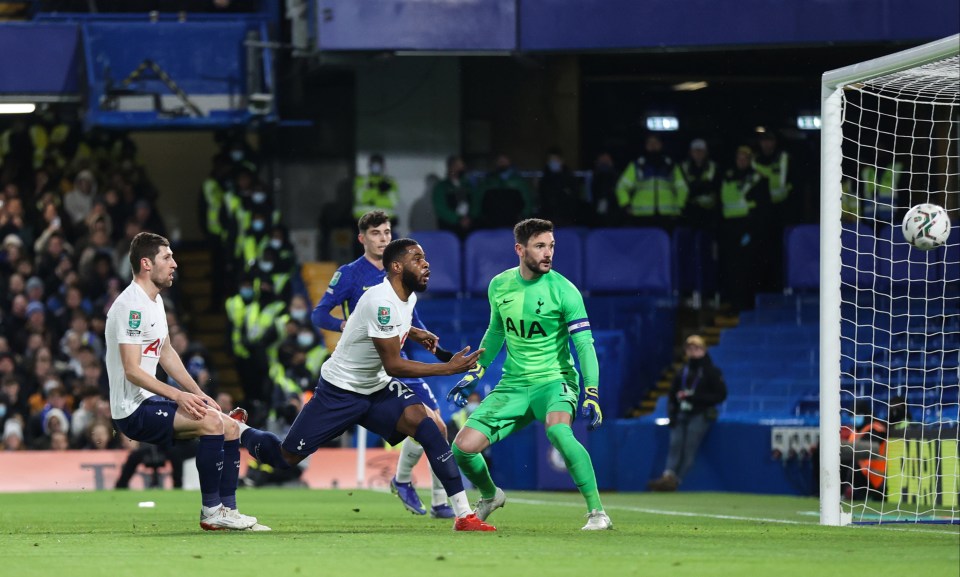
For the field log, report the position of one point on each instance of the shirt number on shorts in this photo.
(402, 391)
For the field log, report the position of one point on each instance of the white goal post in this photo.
(890, 134)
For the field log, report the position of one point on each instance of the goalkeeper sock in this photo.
(578, 463)
(474, 466)
(437, 448)
(264, 447)
(230, 473)
(410, 453)
(209, 462)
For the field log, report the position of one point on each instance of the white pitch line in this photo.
(663, 512)
(724, 517)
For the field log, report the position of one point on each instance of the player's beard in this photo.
(412, 282)
(162, 281)
(533, 265)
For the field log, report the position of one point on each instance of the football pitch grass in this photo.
(361, 532)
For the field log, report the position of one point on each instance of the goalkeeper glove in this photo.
(460, 391)
(590, 409)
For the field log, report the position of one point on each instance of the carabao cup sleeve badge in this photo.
(383, 315)
(134, 319)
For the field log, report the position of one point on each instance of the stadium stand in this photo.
(627, 260)
(443, 247)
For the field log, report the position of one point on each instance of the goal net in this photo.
(890, 313)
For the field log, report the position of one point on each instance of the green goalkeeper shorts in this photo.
(510, 408)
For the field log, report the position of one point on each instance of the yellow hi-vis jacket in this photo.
(734, 191)
(775, 171)
(375, 193)
(649, 190)
(878, 189)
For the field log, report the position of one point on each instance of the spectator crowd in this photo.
(71, 201)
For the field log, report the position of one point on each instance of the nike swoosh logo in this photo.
(151, 324)
(505, 301)
(368, 287)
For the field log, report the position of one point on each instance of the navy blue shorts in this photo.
(152, 422)
(332, 410)
(422, 390)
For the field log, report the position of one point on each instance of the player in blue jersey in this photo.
(348, 284)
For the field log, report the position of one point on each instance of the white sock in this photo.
(243, 427)
(461, 507)
(410, 453)
(439, 496)
(209, 511)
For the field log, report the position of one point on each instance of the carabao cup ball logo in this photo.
(383, 315)
(134, 319)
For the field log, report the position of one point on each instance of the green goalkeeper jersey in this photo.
(537, 318)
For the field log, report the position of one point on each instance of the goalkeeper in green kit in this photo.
(537, 311)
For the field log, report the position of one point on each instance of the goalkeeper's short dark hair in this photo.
(372, 219)
(529, 228)
(395, 251)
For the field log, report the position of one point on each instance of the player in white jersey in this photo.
(359, 384)
(148, 410)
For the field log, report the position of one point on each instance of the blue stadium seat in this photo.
(628, 260)
(857, 256)
(568, 258)
(442, 249)
(802, 248)
(487, 253)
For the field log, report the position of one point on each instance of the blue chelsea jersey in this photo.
(345, 289)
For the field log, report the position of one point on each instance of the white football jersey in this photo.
(133, 319)
(355, 364)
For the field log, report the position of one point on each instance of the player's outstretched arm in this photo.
(396, 366)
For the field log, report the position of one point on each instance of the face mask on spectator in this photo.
(258, 225)
(266, 265)
(298, 314)
(555, 165)
(276, 243)
(376, 168)
(304, 339)
(236, 155)
(246, 293)
(259, 197)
